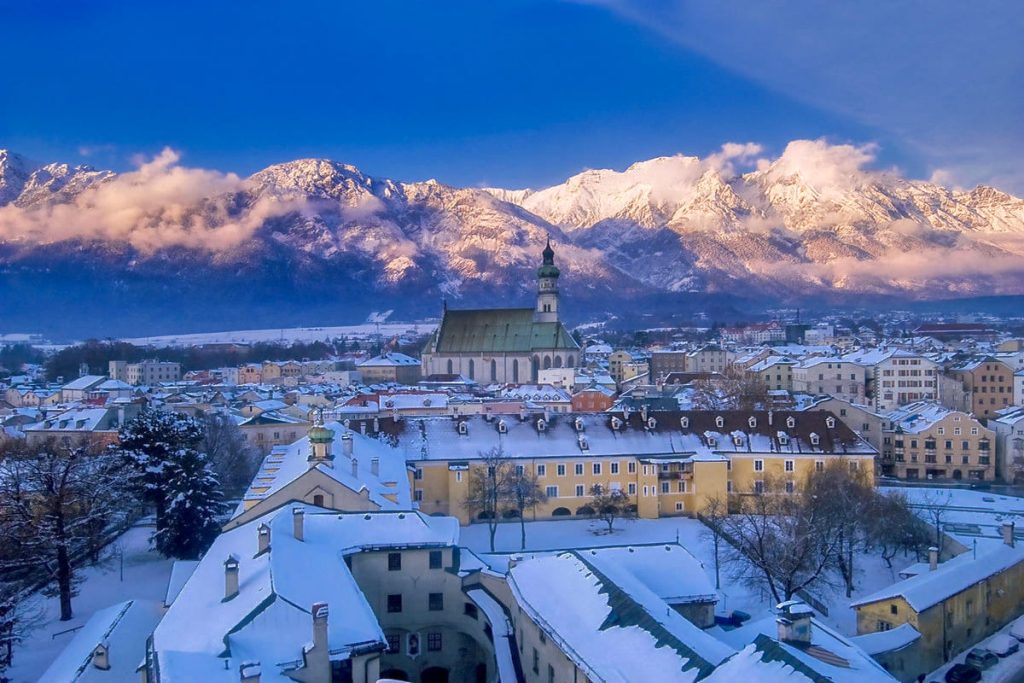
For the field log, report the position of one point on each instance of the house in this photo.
(987, 384)
(926, 440)
(896, 377)
(91, 426)
(266, 430)
(1009, 430)
(391, 367)
(775, 372)
(842, 379)
(331, 467)
(79, 389)
(663, 363)
(954, 605)
(510, 345)
(593, 399)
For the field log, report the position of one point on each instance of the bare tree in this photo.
(736, 389)
(525, 493)
(778, 543)
(893, 527)
(488, 489)
(716, 511)
(936, 506)
(63, 500)
(611, 504)
(233, 460)
(842, 498)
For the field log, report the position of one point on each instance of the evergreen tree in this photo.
(148, 443)
(193, 504)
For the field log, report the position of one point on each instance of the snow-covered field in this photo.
(871, 572)
(145, 577)
(303, 334)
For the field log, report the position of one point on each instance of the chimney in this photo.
(230, 577)
(101, 656)
(346, 444)
(643, 412)
(933, 558)
(249, 672)
(298, 523)
(320, 625)
(375, 466)
(794, 622)
(263, 533)
(1007, 530)
(355, 467)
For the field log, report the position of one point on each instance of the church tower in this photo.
(320, 440)
(547, 288)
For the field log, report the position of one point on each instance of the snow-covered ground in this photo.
(294, 334)
(145, 577)
(871, 572)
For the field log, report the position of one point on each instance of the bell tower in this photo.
(547, 288)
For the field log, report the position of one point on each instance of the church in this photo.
(504, 345)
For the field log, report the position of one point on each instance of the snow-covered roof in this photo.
(77, 420)
(667, 569)
(389, 488)
(918, 416)
(122, 628)
(388, 360)
(663, 434)
(951, 577)
(205, 637)
(829, 654)
(84, 382)
(609, 623)
(181, 570)
(887, 641)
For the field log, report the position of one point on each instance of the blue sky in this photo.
(517, 93)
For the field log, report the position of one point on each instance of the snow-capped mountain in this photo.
(318, 237)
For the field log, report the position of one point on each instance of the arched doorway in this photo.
(957, 474)
(434, 674)
(561, 512)
(394, 674)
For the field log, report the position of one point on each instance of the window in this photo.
(433, 641)
(759, 486)
(789, 465)
(435, 602)
(883, 625)
(418, 495)
(542, 470)
(597, 468)
(631, 468)
(579, 469)
(394, 603)
(631, 489)
(615, 468)
(790, 486)
(470, 610)
(893, 609)
(394, 643)
(664, 487)
(560, 470)
(394, 562)
(418, 474)
(536, 661)
(579, 490)
(318, 499)
(551, 674)
(551, 492)
(759, 465)
(435, 559)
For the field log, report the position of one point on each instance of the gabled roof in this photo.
(498, 330)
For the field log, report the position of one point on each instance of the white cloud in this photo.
(822, 166)
(160, 204)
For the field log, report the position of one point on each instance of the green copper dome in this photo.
(320, 434)
(548, 269)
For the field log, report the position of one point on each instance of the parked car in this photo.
(1003, 645)
(1017, 630)
(981, 658)
(963, 673)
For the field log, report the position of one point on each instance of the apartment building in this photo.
(987, 383)
(925, 440)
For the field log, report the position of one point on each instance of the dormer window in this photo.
(651, 423)
(783, 439)
(815, 439)
(542, 424)
(578, 423)
(830, 422)
(684, 422)
(712, 441)
(719, 421)
(791, 422)
(752, 422)
(737, 439)
(584, 444)
(502, 427)
(463, 428)
(616, 424)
